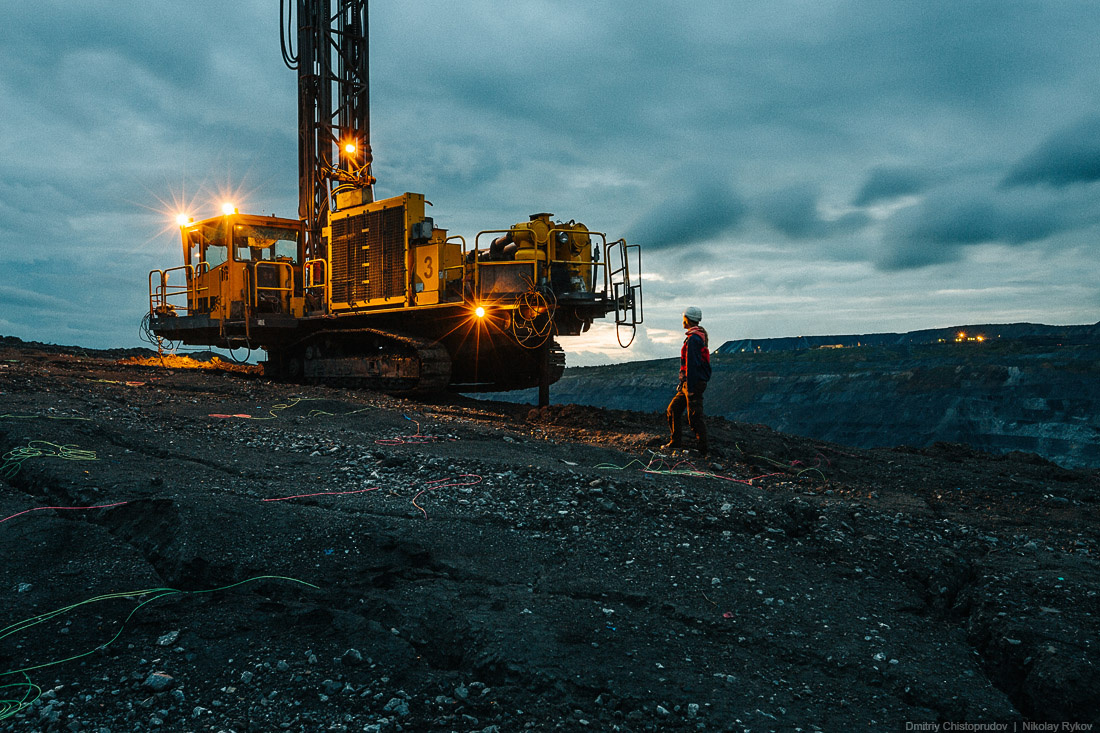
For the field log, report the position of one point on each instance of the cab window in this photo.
(207, 244)
(267, 244)
(216, 254)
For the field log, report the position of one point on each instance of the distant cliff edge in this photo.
(1029, 333)
(1022, 387)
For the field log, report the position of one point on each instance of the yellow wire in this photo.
(13, 459)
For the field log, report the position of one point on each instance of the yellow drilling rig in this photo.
(373, 293)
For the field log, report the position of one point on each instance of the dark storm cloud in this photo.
(794, 212)
(75, 300)
(886, 183)
(1069, 156)
(24, 229)
(175, 41)
(698, 209)
(941, 228)
(13, 297)
(460, 162)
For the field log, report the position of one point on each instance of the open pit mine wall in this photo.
(998, 397)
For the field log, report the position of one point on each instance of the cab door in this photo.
(269, 252)
(207, 256)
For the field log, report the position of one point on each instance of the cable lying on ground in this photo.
(13, 459)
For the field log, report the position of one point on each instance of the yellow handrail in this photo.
(160, 294)
(461, 266)
(309, 282)
(254, 291)
(596, 266)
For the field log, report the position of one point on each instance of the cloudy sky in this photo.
(793, 168)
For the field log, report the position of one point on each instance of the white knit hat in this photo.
(693, 314)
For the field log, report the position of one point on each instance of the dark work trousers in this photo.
(693, 401)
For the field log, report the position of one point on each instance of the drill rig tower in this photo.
(373, 293)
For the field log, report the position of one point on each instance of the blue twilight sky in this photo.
(793, 168)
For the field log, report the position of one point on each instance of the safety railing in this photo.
(461, 266)
(495, 279)
(595, 265)
(165, 296)
(281, 269)
(315, 283)
(598, 271)
(505, 277)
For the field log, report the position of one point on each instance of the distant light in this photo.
(228, 208)
(183, 219)
(981, 337)
(479, 312)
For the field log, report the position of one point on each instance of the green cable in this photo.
(312, 413)
(695, 473)
(779, 464)
(48, 417)
(280, 407)
(647, 468)
(612, 466)
(13, 459)
(10, 707)
(155, 593)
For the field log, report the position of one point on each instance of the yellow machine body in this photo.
(388, 297)
(388, 254)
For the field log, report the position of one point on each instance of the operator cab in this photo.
(239, 265)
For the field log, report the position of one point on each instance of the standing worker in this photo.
(694, 375)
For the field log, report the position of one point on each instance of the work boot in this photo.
(669, 447)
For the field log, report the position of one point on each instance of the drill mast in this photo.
(333, 105)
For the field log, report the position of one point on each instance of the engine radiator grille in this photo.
(368, 256)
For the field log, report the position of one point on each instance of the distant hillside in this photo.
(1000, 395)
(1034, 333)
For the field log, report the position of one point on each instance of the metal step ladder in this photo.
(624, 269)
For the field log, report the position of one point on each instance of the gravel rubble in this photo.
(346, 561)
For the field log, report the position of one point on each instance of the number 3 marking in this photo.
(428, 264)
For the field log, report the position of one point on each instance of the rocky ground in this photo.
(226, 554)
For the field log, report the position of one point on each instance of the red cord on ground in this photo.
(42, 508)
(444, 486)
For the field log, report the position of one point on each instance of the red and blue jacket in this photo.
(694, 359)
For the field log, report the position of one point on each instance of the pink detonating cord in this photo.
(43, 508)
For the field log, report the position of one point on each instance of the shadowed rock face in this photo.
(997, 397)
